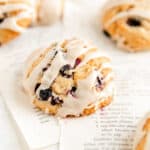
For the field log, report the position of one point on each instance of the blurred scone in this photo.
(69, 78)
(49, 11)
(127, 22)
(15, 17)
(142, 141)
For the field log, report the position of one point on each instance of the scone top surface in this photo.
(69, 78)
(142, 141)
(127, 22)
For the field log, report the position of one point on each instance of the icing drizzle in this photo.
(25, 11)
(140, 9)
(86, 92)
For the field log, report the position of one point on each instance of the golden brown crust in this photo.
(143, 141)
(7, 35)
(147, 125)
(14, 1)
(24, 22)
(46, 107)
(89, 111)
(141, 144)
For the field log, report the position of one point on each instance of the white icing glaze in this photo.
(133, 12)
(140, 134)
(85, 95)
(52, 71)
(141, 9)
(90, 56)
(86, 92)
(32, 80)
(75, 49)
(11, 22)
(114, 3)
(49, 11)
(75, 106)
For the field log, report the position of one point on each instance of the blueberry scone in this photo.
(49, 11)
(127, 23)
(69, 79)
(142, 141)
(15, 17)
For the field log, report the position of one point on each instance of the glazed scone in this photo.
(49, 11)
(142, 141)
(15, 17)
(69, 78)
(127, 23)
